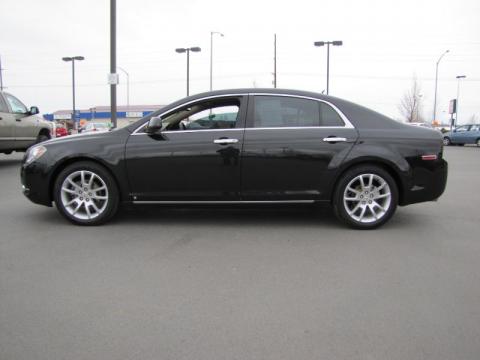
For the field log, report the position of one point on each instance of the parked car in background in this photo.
(281, 146)
(464, 134)
(20, 127)
(60, 130)
(96, 126)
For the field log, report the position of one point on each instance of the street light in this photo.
(187, 50)
(328, 43)
(72, 59)
(211, 56)
(458, 95)
(128, 86)
(436, 81)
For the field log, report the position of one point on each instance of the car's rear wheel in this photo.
(86, 194)
(446, 141)
(366, 197)
(478, 142)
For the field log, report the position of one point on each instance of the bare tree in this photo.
(411, 103)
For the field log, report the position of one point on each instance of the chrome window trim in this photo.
(348, 124)
(181, 105)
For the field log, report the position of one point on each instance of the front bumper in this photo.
(35, 183)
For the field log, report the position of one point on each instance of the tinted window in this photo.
(16, 105)
(475, 128)
(211, 114)
(281, 111)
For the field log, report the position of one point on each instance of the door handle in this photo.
(334, 139)
(225, 141)
(18, 119)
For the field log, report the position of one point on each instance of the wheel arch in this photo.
(390, 168)
(69, 161)
(45, 131)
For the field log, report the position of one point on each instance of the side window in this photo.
(16, 105)
(462, 128)
(3, 105)
(475, 128)
(207, 115)
(329, 117)
(282, 111)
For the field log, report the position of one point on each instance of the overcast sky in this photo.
(386, 44)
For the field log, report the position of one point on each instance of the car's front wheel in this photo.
(366, 197)
(86, 194)
(446, 141)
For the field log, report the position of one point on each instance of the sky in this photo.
(385, 45)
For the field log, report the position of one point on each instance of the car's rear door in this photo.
(290, 147)
(197, 161)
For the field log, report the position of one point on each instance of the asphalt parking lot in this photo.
(162, 283)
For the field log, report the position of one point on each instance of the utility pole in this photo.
(275, 61)
(113, 62)
(1, 75)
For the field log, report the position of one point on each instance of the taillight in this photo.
(431, 157)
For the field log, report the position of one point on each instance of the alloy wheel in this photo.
(367, 198)
(84, 195)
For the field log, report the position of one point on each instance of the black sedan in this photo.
(254, 146)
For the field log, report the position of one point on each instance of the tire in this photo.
(478, 142)
(446, 141)
(95, 202)
(41, 138)
(358, 206)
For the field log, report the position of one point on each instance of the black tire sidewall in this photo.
(113, 198)
(447, 140)
(339, 207)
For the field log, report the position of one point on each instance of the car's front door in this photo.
(473, 134)
(26, 125)
(289, 147)
(7, 127)
(459, 135)
(196, 156)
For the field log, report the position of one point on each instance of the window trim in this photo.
(246, 96)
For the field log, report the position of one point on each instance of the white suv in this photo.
(19, 127)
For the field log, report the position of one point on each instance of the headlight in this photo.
(35, 153)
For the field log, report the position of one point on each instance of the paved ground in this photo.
(216, 284)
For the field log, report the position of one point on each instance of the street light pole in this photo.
(211, 56)
(328, 43)
(458, 95)
(187, 50)
(72, 59)
(436, 83)
(113, 61)
(128, 85)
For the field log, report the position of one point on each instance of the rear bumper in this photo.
(427, 183)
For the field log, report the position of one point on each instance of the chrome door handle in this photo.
(334, 139)
(225, 141)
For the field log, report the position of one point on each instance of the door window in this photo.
(462, 128)
(212, 114)
(283, 111)
(16, 105)
(475, 128)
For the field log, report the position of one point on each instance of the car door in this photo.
(290, 144)
(196, 157)
(7, 126)
(26, 125)
(459, 135)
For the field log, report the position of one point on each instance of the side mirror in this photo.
(34, 110)
(154, 125)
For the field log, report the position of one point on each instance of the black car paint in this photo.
(274, 164)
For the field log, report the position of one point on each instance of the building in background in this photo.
(125, 114)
